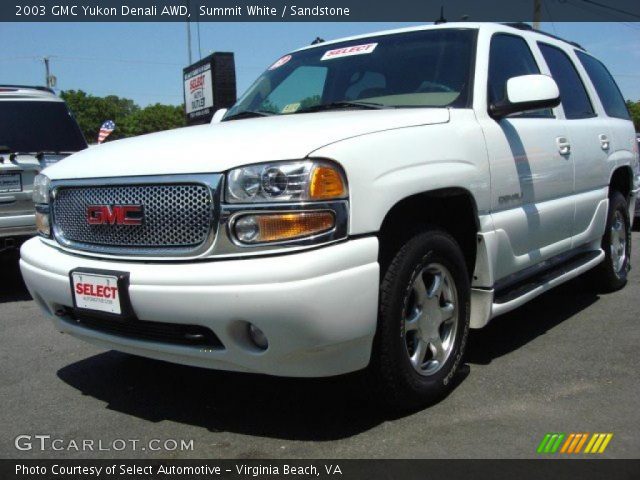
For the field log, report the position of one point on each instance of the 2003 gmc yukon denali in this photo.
(364, 204)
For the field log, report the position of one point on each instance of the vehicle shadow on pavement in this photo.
(12, 287)
(290, 408)
(515, 329)
(285, 408)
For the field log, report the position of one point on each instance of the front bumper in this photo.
(318, 308)
(17, 225)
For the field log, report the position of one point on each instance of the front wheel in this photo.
(423, 320)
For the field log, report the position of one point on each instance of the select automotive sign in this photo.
(198, 91)
(209, 84)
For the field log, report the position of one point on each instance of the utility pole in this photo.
(537, 13)
(189, 34)
(189, 41)
(47, 74)
(49, 80)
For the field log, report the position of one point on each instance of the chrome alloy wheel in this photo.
(618, 243)
(430, 319)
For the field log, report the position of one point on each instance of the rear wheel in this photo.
(423, 320)
(611, 274)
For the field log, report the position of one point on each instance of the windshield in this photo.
(37, 126)
(428, 68)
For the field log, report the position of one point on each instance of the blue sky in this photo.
(144, 61)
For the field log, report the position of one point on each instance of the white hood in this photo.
(219, 147)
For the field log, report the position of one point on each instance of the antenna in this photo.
(441, 19)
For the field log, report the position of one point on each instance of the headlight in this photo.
(41, 186)
(305, 180)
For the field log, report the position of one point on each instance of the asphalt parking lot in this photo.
(567, 362)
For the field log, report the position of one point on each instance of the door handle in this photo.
(604, 141)
(564, 146)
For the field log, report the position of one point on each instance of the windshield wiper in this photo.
(342, 105)
(248, 114)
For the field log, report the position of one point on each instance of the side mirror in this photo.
(527, 92)
(217, 117)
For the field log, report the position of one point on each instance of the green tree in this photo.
(634, 109)
(91, 111)
(153, 118)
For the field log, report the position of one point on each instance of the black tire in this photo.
(400, 384)
(606, 277)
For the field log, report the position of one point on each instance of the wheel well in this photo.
(621, 181)
(452, 209)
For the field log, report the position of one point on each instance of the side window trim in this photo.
(574, 65)
(552, 116)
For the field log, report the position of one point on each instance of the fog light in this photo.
(274, 227)
(42, 221)
(258, 337)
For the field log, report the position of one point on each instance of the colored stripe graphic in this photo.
(550, 443)
(573, 443)
(598, 442)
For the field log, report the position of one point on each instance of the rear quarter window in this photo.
(608, 91)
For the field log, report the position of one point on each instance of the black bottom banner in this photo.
(338, 469)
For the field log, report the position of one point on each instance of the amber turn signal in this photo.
(326, 182)
(278, 227)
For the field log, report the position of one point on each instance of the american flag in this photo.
(106, 128)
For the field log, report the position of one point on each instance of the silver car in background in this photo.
(36, 130)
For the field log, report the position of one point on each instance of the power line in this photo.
(589, 7)
(117, 60)
(93, 59)
(11, 59)
(613, 9)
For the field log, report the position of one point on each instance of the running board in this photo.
(520, 293)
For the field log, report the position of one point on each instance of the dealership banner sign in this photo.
(198, 91)
(314, 11)
(209, 84)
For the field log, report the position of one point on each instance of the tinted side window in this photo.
(575, 100)
(608, 91)
(510, 57)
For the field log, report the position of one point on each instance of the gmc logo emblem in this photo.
(114, 215)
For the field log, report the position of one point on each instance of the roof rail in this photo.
(43, 89)
(529, 28)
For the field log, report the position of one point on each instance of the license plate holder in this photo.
(101, 292)
(10, 182)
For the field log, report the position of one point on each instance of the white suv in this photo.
(365, 203)
(36, 130)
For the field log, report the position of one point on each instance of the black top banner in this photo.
(318, 10)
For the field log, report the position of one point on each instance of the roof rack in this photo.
(529, 28)
(43, 89)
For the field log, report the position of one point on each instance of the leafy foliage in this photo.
(634, 109)
(91, 111)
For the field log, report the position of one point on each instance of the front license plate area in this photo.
(101, 291)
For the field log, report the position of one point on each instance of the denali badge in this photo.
(114, 215)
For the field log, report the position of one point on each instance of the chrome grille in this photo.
(177, 217)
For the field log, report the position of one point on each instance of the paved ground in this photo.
(566, 362)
